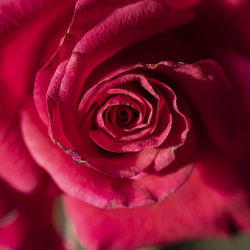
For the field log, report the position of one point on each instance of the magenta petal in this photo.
(182, 4)
(23, 31)
(188, 214)
(150, 17)
(26, 220)
(55, 127)
(207, 87)
(13, 13)
(136, 117)
(100, 90)
(26, 29)
(16, 165)
(125, 102)
(237, 67)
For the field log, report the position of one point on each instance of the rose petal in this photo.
(207, 87)
(14, 13)
(233, 3)
(121, 81)
(111, 120)
(231, 19)
(17, 62)
(188, 214)
(27, 220)
(20, 48)
(150, 17)
(237, 67)
(16, 165)
(178, 134)
(182, 4)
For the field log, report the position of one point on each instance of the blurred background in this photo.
(237, 242)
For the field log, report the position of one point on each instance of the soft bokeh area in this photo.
(238, 242)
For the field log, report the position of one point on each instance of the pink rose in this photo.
(141, 100)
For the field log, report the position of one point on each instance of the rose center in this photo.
(122, 115)
(125, 115)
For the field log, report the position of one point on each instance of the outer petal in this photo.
(183, 4)
(194, 211)
(21, 46)
(231, 19)
(21, 41)
(16, 165)
(26, 221)
(237, 67)
(13, 13)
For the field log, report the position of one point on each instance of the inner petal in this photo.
(125, 115)
(113, 119)
(107, 116)
(132, 85)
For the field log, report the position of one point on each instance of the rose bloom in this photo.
(138, 111)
